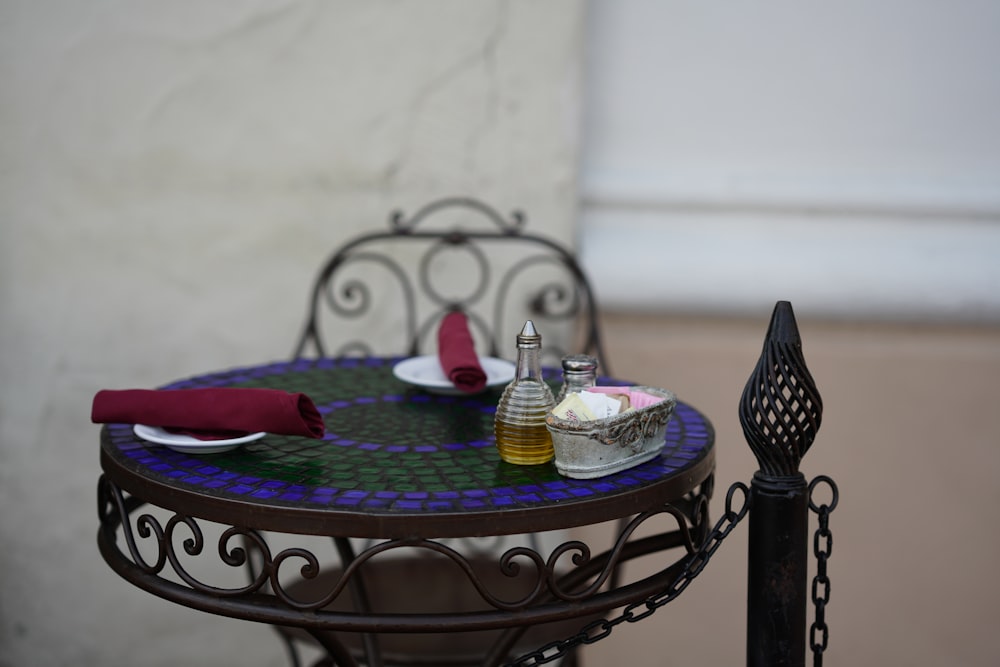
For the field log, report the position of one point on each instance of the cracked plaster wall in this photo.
(172, 174)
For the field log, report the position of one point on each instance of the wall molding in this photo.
(906, 252)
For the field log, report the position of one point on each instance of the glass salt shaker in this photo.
(579, 374)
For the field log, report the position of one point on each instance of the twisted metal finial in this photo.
(781, 408)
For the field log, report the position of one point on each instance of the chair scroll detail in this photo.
(452, 254)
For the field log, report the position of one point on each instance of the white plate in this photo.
(189, 444)
(425, 372)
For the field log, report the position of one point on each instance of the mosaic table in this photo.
(403, 468)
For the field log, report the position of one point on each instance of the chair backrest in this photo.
(385, 292)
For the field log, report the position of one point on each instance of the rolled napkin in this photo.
(457, 353)
(211, 413)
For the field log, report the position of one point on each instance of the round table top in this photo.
(396, 462)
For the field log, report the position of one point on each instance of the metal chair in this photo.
(385, 292)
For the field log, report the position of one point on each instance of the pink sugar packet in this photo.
(637, 399)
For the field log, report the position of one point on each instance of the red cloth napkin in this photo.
(457, 353)
(215, 412)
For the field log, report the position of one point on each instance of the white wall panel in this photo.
(860, 139)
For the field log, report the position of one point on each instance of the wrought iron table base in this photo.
(568, 583)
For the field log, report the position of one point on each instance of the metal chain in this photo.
(819, 634)
(694, 564)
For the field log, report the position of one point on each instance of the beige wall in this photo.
(172, 174)
(910, 433)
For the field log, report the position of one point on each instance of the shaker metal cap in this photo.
(528, 336)
(579, 363)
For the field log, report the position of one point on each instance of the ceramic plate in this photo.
(189, 444)
(425, 372)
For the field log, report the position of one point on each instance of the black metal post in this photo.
(777, 576)
(780, 413)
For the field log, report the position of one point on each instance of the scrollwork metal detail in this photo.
(402, 224)
(163, 535)
(415, 248)
(569, 573)
(555, 298)
(474, 282)
(692, 565)
(351, 297)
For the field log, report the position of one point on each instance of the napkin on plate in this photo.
(211, 413)
(457, 353)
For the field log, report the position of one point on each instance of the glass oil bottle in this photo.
(522, 437)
